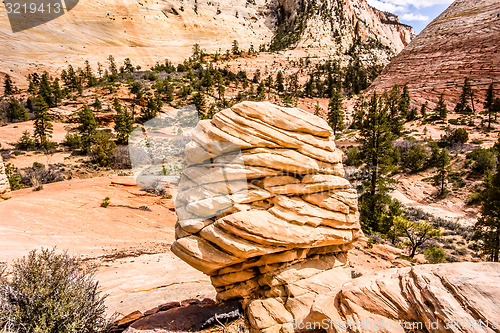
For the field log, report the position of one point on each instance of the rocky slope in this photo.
(462, 42)
(149, 31)
(4, 183)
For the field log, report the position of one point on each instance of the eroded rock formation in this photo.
(4, 183)
(462, 42)
(263, 205)
(264, 210)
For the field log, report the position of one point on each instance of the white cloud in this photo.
(403, 6)
(414, 17)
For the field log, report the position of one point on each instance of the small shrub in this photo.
(26, 142)
(353, 157)
(416, 158)
(435, 255)
(72, 141)
(50, 292)
(482, 160)
(105, 203)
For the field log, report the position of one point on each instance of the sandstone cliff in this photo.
(462, 42)
(4, 183)
(149, 31)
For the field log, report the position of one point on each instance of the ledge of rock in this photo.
(4, 183)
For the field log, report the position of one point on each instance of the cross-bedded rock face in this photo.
(4, 183)
(263, 194)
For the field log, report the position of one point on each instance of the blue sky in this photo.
(417, 13)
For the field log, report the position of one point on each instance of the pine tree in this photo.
(199, 102)
(443, 169)
(280, 82)
(261, 92)
(423, 110)
(463, 102)
(8, 86)
(440, 110)
(404, 102)
(487, 228)
(235, 49)
(336, 112)
(124, 125)
(376, 148)
(42, 124)
(45, 90)
(15, 111)
(489, 103)
(87, 127)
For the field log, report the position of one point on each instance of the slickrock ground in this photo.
(461, 297)
(148, 31)
(4, 183)
(130, 239)
(462, 42)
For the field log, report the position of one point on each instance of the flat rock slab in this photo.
(187, 318)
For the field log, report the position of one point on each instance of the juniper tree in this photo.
(416, 233)
(42, 124)
(336, 112)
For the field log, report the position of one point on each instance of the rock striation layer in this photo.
(263, 197)
(148, 31)
(4, 182)
(462, 42)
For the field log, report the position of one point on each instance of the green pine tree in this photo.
(42, 124)
(376, 133)
(124, 125)
(440, 110)
(8, 86)
(87, 127)
(16, 112)
(336, 112)
(463, 102)
(489, 104)
(487, 228)
(443, 169)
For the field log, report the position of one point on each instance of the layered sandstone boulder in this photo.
(4, 183)
(261, 198)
